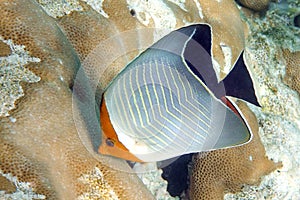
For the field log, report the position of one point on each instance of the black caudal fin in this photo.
(238, 83)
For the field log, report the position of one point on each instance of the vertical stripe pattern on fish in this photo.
(160, 109)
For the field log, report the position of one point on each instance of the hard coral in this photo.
(255, 5)
(12, 72)
(226, 170)
(41, 37)
(292, 76)
(40, 147)
(16, 163)
(4, 49)
(92, 47)
(7, 186)
(224, 18)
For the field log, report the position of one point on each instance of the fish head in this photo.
(111, 145)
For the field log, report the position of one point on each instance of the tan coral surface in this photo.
(4, 49)
(292, 76)
(258, 5)
(39, 141)
(217, 172)
(121, 40)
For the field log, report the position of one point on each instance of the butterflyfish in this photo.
(168, 101)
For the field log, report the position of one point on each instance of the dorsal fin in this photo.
(174, 42)
(194, 43)
(197, 55)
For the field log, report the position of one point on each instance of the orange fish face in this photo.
(110, 143)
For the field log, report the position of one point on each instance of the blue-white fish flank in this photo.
(161, 109)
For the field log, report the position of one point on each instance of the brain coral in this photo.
(217, 172)
(5, 50)
(292, 76)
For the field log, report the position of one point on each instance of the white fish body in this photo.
(160, 109)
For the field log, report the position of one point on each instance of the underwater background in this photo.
(44, 44)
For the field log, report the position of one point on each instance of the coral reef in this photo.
(90, 47)
(5, 49)
(60, 8)
(12, 72)
(42, 155)
(40, 146)
(6, 185)
(279, 118)
(292, 76)
(151, 177)
(220, 15)
(255, 5)
(226, 170)
(18, 27)
(19, 173)
(278, 25)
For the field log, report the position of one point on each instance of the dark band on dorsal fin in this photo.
(195, 43)
(238, 83)
(197, 55)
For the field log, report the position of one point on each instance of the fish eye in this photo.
(110, 142)
(132, 12)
